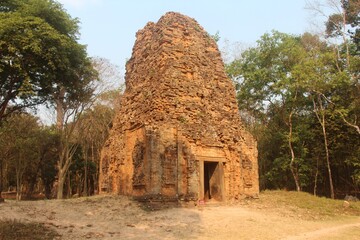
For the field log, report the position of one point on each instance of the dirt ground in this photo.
(118, 217)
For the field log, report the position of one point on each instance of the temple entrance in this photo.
(213, 181)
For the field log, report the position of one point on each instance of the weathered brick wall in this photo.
(178, 111)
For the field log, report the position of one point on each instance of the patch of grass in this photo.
(307, 205)
(182, 119)
(17, 230)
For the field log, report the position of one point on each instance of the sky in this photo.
(108, 27)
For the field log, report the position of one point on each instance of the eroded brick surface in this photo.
(178, 112)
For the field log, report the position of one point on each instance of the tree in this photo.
(27, 61)
(44, 166)
(49, 158)
(95, 126)
(345, 23)
(265, 84)
(40, 55)
(29, 152)
(289, 89)
(95, 122)
(18, 134)
(320, 75)
(69, 141)
(63, 79)
(42, 62)
(79, 130)
(343, 26)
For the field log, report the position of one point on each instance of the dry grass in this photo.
(87, 217)
(305, 205)
(17, 230)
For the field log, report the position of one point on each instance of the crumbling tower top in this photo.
(176, 76)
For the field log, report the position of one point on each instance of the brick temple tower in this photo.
(178, 134)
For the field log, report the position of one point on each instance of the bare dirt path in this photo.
(116, 217)
(346, 231)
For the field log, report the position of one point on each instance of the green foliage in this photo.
(47, 147)
(348, 17)
(18, 137)
(216, 37)
(29, 57)
(29, 152)
(90, 134)
(39, 53)
(276, 84)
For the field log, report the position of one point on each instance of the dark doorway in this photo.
(212, 181)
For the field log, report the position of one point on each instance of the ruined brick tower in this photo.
(178, 134)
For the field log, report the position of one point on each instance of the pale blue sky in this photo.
(108, 27)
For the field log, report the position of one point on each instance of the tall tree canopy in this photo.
(293, 94)
(42, 62)
(40, 55)
(345, 24)
(350, 16)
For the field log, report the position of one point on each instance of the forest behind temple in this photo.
(299, 95)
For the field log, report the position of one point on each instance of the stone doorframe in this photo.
(202, 160)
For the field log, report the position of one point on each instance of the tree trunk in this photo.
(293, 168)
(316, 176)
(47, 190)
(59, 106)
(86, 173)
(97, 172)
(64, 148)
(322, 122)
(33, 181)
(344, 33)
(79, 185)
(60, 187)
(64, 163)
(19, 171)
(1, 180)
(328, 158)
(18, 186)
(68, 190)
(68, 145)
